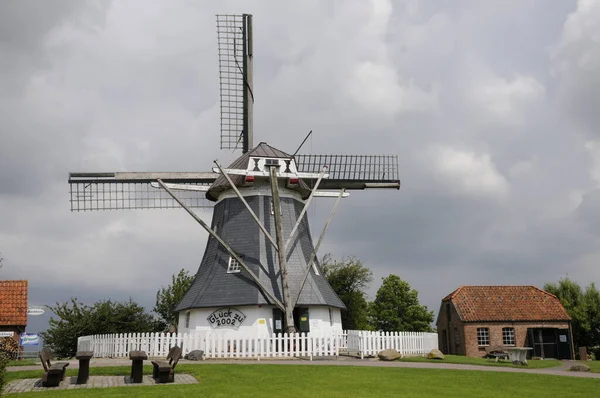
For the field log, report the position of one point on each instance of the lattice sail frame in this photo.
(352, 168)
(231, 43)
(129, 191)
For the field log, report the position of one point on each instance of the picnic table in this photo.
(517, 355)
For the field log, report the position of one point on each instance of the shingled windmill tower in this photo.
(259, 273)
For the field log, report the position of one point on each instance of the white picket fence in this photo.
(220, 345)
(366, 343)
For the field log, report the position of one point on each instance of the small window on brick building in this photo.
(483, 336)
(234, 266)
(508, 336)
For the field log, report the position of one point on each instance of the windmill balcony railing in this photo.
(219, 345)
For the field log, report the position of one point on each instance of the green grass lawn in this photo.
(460, 359)
(594, 365)
(265, 380)
(24, 362)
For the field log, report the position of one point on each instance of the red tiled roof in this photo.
(13, 302)
(506, 303)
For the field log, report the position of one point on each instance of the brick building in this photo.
(472, 318)
(13, 308)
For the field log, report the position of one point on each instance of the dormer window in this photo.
(233, 267)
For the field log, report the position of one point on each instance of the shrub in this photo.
(3, 362)
(9, 347)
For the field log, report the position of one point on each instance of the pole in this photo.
(289, 305)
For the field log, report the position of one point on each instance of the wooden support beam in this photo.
(314, 253)
(262, 287)
(289, 305)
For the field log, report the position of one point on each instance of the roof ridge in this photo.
(506, 302)
(263, 144)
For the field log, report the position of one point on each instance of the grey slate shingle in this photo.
(213, 287)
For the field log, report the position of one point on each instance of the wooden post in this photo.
(287, 302)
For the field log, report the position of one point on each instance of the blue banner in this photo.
(30, 339)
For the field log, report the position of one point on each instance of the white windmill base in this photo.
(257, 321)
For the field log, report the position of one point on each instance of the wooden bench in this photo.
(53, 373)
(164, 371)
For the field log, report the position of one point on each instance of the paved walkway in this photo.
(69, 383)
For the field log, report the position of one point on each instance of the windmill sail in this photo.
(352, 171)
(128, 191)
(234, 36)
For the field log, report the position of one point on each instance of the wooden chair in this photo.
(53, 373)
(164, 371)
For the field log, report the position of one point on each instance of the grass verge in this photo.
(266, 380)
(24, 362)
(463, 360)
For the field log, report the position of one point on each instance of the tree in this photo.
(583, 307)
(168, 298)
(396, 308)
(103, 317)
(349, 278)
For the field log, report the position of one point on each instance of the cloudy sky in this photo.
(492, 107)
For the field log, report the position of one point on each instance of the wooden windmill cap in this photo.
(262, 150)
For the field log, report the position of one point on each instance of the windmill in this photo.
(259, 272)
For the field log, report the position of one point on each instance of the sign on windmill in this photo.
(260, 258)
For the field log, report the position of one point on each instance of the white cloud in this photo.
(376, 88)
(135, 87)
(507, 98)
(473, 173)
(576, 65)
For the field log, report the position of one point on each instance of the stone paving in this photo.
(69, 383)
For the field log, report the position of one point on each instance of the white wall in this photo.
(259, 320)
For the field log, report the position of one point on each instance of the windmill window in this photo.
(187, 319)
(233, 266)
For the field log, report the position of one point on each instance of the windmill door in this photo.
(301, 320)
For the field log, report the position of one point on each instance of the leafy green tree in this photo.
(584, 308)
(349, 278)
(396, 308)
(103, 317)
(168, 298)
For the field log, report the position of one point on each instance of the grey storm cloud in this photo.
(490, 106)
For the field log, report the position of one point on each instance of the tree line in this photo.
(395, 308)
(583, 306)
(396, 305)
